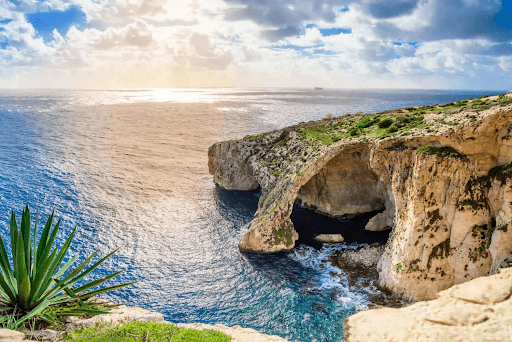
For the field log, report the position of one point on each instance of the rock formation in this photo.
(329, 238)
(441, 175)
(479, 310)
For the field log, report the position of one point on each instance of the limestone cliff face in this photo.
(449, 206)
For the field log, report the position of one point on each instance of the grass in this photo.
(284, 235)
(378, 126)
(255, 137)
(143, 332)
(388, 124)
(444, 151)
(283, 139)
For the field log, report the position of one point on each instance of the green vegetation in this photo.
(440, 151)
(325, 134)
(465, 203)
(367, 126)
(482, 233)
(143, 332)
(398, 267)
(475, 188)
(385, 123)
(388, 124)
(284, 235)
(255, 137)
(39, 285)
(503, 228)
(283, 139)
(451, 123)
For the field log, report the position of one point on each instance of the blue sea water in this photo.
(129, 169)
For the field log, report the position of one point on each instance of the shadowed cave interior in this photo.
(309, 224)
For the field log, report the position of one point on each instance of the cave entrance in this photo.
(309, 224)
(345, 197)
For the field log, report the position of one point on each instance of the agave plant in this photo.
(39, 280)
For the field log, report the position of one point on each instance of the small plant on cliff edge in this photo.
(398, 267)
(39, 281)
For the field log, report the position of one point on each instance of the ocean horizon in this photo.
(129, 168)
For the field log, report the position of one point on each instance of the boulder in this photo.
(329, 238)
(7, 335)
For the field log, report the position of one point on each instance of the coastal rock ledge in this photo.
(441, 177)
(479, 310)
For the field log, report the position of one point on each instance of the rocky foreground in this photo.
(476, 311)
(440, 175)
(122, 314)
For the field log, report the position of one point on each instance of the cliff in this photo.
(441, 175)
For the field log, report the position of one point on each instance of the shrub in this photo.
(392, 129)
(354, 132)
(38, 280)
(385, 123)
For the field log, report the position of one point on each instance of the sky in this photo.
(104, 44)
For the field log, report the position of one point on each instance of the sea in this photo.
(129, 168)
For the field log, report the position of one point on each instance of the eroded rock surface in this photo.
(443, 180)
(329, 238)
(479, 310)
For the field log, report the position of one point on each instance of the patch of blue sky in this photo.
(333, 31)
(293, 47)
(344, 9)
(4, 43)
(324, 52)
(45, 22)
(504, 16)
(413, 44)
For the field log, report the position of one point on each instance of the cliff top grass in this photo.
(284, 154)
(143, 332)
(410, 121)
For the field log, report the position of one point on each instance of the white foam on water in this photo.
(332, 277)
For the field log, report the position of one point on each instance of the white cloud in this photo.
(162, 42)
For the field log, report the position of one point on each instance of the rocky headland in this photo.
(441, 177)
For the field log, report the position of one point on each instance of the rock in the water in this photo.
(329, 238)
(479, 310)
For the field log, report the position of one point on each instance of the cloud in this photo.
(345, 43)
(136, 34)
(201, 43)
(202, 54)
(281, 18)
(390, 8)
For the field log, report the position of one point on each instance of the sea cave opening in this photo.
(309, 224)
(345, 197)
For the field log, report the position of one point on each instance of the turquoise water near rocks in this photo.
(129, 168)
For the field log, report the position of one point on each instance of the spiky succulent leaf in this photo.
(33, 284)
